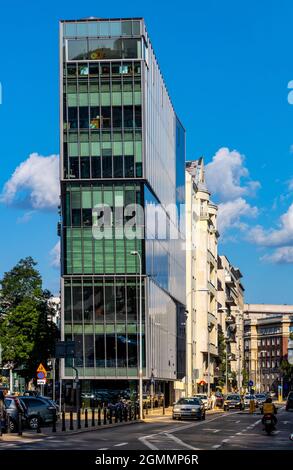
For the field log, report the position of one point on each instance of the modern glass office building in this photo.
(122, 146)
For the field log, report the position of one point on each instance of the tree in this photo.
(27, 335)
(221, 358)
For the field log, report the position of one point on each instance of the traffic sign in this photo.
(41, 368)
(41, 375)
(41, 381)
(250, 383)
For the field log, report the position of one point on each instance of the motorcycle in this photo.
(269, 424)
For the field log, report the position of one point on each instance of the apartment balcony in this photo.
(230, 319)
(230, 300)
(229, 280)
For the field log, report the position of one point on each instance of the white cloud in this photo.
(275, 237)
(230, 213)
(26, 217)
(55, 256)
(35, 182)
(281, 255)
(227, 176)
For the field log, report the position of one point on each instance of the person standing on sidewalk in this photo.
(213, 401)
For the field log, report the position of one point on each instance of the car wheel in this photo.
(33, 422)
(12, 426)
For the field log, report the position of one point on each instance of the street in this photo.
(220, 431)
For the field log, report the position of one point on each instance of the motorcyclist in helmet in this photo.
(269, 408)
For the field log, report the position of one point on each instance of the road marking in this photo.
(237, 421)
(181, 442)
(238, 433)
(103, 448)
(211, 429)
(121, 444)
(277, 432)
(285, 422)
(216, 446)
(225, 440)
(145, 439)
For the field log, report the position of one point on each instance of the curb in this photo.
(70, 433)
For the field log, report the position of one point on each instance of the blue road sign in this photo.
(250, 383)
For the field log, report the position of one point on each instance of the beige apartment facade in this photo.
(201, 281)
(231, 320)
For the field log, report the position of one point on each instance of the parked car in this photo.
(39, 410)
(233, 401)
(192, 408)
(219, 400)
(204, 398)
(289, 402)
(13, 406)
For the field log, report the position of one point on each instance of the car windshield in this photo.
(188, 401)
(202, 397)
(260, 395)
(233, 397)
(249, 396)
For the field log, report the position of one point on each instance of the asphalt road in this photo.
(228, 431)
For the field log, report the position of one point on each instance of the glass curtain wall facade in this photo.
(117, 148)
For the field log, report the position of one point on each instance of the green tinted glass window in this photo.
(84, 149)
(73, 149)
(72, 99)
(86, 200)
(95, 149)
(94, 99)
(83, 99)
(128, 148)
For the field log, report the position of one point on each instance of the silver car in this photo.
(204, 398)
(189, 408)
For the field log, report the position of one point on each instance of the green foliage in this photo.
(245, 378)
(286, 368)
(26, 335)
(221, 359)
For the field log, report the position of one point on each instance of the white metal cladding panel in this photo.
(160, 333)
(160, 134)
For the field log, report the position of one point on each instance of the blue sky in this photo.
(227, 66)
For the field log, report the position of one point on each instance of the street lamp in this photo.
(136, 253)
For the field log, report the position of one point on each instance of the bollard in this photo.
(116, 415)
(86, 424)
(99, 416)
(63, 421)
(78, 420)
(8, 424)
(71, 421)
(130, 414)
(93, 417)
(121, 415)
(164, 406)
(19, 424)
(105, 415)
(39, 424)
(110, 416)
(54, 421)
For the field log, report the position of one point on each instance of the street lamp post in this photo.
(136, 253)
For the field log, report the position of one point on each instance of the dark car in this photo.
(192, 408)
(39, 410)
(234, 401)
(289, 402)
(13, 407)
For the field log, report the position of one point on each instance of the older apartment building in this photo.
(267, 330)
(230, 317)
(201, 280)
